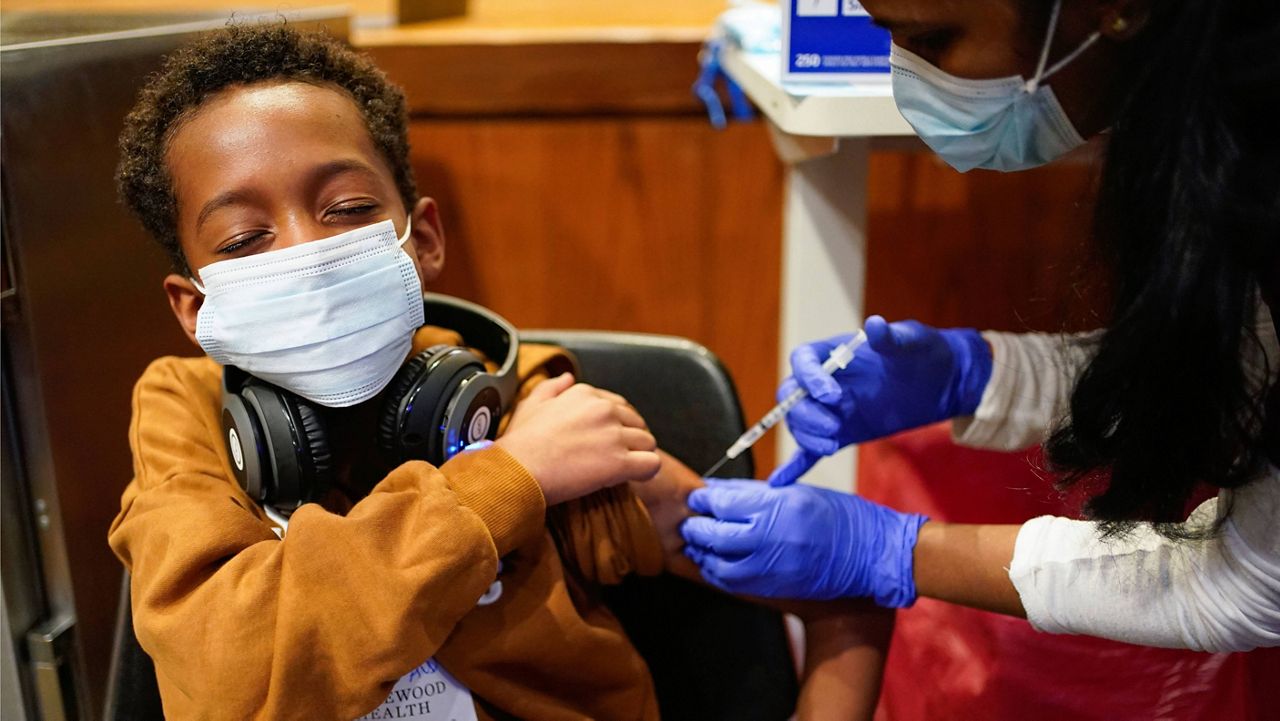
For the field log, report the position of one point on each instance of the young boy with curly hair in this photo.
(273, 166)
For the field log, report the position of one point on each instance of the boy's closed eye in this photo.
(340, 216)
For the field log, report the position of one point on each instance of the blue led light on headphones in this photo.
(452, 445)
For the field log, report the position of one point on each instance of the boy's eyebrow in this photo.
(317, 174)
(337, 167)
(231, 197)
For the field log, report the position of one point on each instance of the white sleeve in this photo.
(1032, 375)
(1219, 594)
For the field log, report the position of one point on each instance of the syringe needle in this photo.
(723, 460)
(837, 360)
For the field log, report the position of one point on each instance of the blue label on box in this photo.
(827, 38)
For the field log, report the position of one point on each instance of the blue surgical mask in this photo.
(330, 320)
(1002, 124)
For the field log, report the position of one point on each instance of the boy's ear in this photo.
(185, 301)
(428, 239)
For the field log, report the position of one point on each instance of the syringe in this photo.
(839, 358)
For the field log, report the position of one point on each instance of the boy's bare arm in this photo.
(666, 498)
(846, 640)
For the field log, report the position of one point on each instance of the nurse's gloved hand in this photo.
(906, 375)
(801, 542)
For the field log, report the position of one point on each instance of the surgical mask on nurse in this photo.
(1007, 124)
(330, 320)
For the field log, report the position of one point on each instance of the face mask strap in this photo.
(1089, 41)
(1041, 74)
(196, 283)
(408, 230)
(1034, 82)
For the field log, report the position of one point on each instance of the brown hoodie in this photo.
(319, 625)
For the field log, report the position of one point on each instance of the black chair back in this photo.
(711, 656)
(132, 693)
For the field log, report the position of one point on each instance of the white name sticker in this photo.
(427, 693)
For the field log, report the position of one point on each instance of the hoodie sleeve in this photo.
(605, 536)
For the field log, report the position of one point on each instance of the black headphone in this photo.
(442, 400)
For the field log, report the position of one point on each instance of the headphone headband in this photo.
(480, 328)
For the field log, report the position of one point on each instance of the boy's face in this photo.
(268, 166)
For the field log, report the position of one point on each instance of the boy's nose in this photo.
(297, 230)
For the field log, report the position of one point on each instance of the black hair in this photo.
(1188, 217)
(244, 54)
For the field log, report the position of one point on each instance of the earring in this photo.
(1119, 25)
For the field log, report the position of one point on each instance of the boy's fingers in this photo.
(642, 465)
(637, 439)
(611, 396)
(629, 416)
(551, 387)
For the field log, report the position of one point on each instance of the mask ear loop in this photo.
(1041, 74)
(196, 283)
(408, 230)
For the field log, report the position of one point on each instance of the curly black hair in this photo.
(244, 54)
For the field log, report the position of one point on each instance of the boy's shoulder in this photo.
(185, 376)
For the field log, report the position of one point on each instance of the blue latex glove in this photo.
(801, 542)
(906, 375)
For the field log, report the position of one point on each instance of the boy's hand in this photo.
(576, 439)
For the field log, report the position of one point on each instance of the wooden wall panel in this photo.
(544, 78)
(650, 224)
(983, 249)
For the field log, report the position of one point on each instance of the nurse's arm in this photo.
(1216, 594)
(846, 641)
(959, 563)
(968, 564)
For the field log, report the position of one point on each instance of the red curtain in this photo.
(949, 662)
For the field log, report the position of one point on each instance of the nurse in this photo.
(1180, 390)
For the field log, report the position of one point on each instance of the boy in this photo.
(259, 143)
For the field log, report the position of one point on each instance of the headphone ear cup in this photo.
(315, 452)
(243, 437)
(389, 419)
(297, 454)
(413, 419)
(280, 479)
